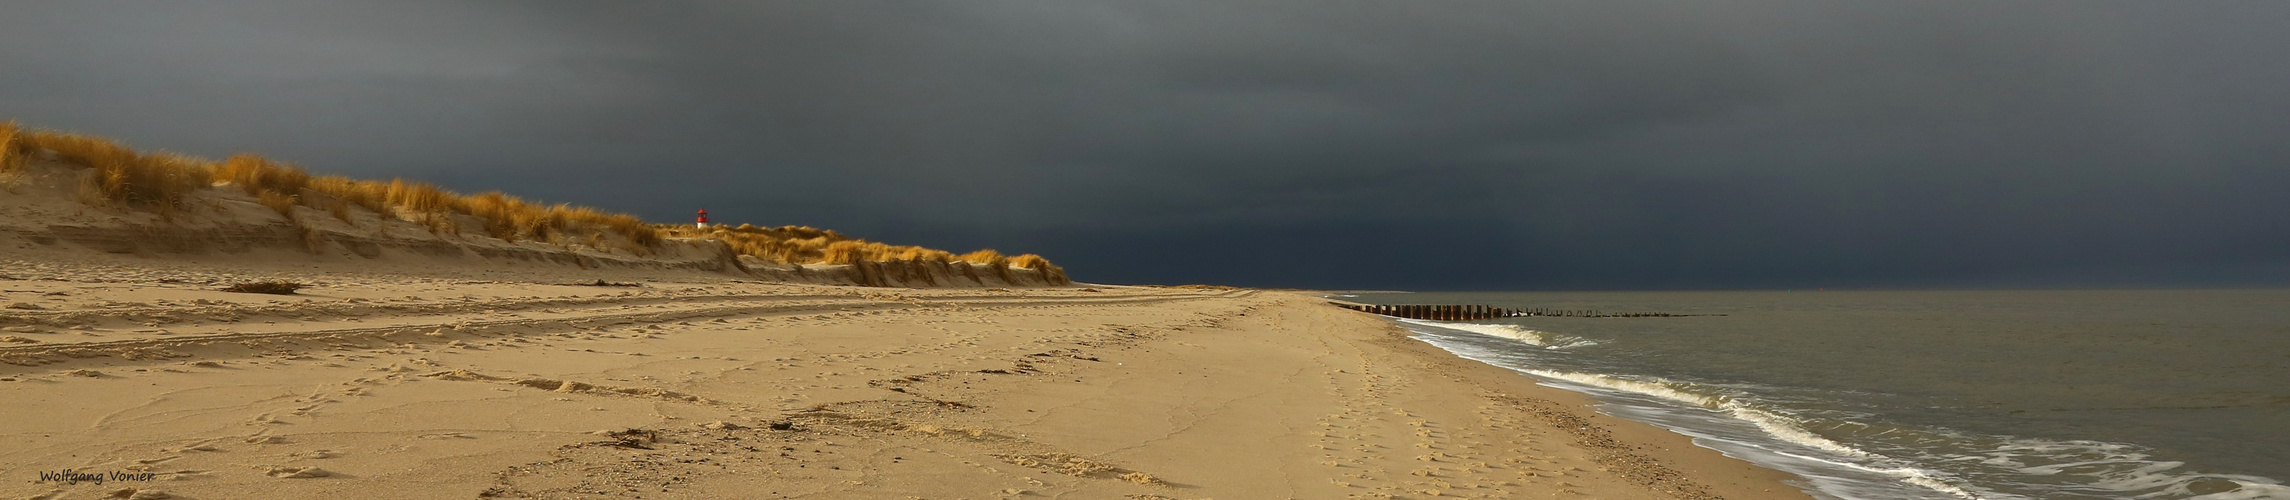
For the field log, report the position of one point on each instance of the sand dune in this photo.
(49, 213)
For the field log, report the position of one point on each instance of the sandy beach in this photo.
(695, 385)
(416, 349)
(1136, 250)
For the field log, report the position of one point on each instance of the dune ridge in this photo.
(100, 194)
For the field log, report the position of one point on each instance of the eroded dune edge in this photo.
(70, 195)
(520, 383)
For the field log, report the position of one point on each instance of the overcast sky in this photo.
(1596, 144)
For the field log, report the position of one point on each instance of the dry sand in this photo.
(700, 386)
(422, 365)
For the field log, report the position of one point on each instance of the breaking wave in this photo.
(1514, 332)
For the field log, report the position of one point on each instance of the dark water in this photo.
(1933, 394)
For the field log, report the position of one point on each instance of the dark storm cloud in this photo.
(1606, 144)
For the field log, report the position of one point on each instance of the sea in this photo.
(1990, 394)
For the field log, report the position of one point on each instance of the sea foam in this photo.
(1773, 423)
(2088, 468)
(1514, 332)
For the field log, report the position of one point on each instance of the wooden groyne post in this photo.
(1470, 312)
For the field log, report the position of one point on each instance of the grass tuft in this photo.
(987, 257)
(283, 203)
(159, 181)
(256, 175)
(423, 204)
(14, 153)
(269, 287)
(1049, 271)
(372, 196)
(500, 212)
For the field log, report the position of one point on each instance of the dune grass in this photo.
(808, 245)
(162, 182)
(158, 181)
(12, 151)
(269, 287)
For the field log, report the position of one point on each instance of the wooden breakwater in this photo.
(1468, 312)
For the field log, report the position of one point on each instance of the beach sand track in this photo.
(448, 322)
(685, 391)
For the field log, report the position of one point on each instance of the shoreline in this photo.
(1664, 452)
(701, 387)
(1886, 396)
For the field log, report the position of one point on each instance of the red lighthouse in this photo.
(703, 223)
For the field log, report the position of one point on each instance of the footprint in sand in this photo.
(139, 494)
(297, 472)
(314, 454)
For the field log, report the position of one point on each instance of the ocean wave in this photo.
(2099, 468)
(1941, 461)
(1963, 465)
(1514, 332)
(1773, 422)
(1574, 343)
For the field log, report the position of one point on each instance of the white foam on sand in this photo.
(1524, 335)
(1772, 424)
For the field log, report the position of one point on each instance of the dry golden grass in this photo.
(1054, 273)
(269, 287)
(372, 196)
(158, 181)
(1029, 261)
(339, 208)
(256, 175)
(628, 225)
(283, 203)
(785, 245)
(161, 181)
(500, 212)
(992, 260)
(807, 245)
(12, 151)
(987, 257)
